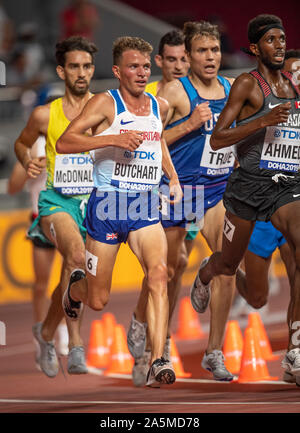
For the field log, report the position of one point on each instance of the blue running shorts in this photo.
(112, 215)
(265, 239)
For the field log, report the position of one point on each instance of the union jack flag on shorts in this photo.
(111, 236)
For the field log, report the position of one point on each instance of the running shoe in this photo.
(37, 354)
(47, 360)
(76, 361)
(200, 293)
(290, 378)
(161, 372)
(141, 368)
(141, 365)
(291, 362)
(72, 308)
(136, 338)
(214, 362)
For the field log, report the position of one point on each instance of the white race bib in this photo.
(137, 170)
(216, 162)
(73, 174)
(281, 149)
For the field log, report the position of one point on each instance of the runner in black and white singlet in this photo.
(129, 155)
(266, 105)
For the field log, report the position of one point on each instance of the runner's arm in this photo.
(173, 92)
(17, 179)
(97, 115)
(167, 164)
(37, 124)
(240, 95)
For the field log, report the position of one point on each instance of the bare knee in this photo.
(76, 259)
(157, 278)
(229, 269)
(178, 270)
(258, 302)
(40, 288)
(97, 303)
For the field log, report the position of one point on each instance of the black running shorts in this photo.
(253, 197)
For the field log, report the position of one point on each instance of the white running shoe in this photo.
(136, 338)
(291, 362)
(200, 293)
(141, 368)
(47, 360)
(214, 362)
(290, 378)
(76, 361)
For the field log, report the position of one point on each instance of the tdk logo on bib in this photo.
(77, 160)
(277, 133)
(287, 133)
(139, 154)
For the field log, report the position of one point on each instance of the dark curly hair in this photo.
(74, 43)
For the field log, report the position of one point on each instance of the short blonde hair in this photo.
(125, 43)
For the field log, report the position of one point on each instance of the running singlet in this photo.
(192, 154)
(68, 174)
(274, 149)
(152, 88)
(120, 169)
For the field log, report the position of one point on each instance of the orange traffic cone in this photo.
(189, 326)
(109, 323)
(98, 352)
(254, 320)
(176, 361)
(233, 347)
(253, 365)
(121, 361)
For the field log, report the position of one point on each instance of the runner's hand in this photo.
(35, 166)
(176, 193)
(129, 140)
(201, 114)
(278, 114)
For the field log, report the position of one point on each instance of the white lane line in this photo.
(181, 403)
(99, 372)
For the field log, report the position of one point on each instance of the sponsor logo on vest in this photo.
(271, 106)
(123, 122)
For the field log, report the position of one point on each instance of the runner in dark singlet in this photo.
(266, 186)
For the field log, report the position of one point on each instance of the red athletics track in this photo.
(24, 389)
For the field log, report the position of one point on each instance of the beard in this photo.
(75, 90)
(273, 66)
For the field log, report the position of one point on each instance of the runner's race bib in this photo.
(216, 162)
(73, 174)
(138, 170)
(281, 149)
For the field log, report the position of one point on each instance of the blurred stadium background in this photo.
(36, 25)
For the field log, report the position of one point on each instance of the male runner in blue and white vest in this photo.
(266, 186)
(129, 155)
